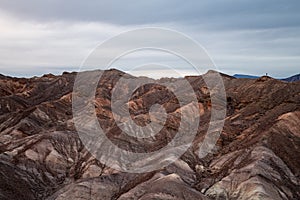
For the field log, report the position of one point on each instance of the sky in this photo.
(241, 37)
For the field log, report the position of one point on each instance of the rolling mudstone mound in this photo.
(256, 157)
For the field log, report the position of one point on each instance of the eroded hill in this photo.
(256, 157)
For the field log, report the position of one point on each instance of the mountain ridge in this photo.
(293, 78)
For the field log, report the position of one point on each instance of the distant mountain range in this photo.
(289, 79)
(245, 76)
(292, 78)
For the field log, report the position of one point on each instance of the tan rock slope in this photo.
(256, 157)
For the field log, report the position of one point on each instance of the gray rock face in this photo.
(252, 181)
(256, 157)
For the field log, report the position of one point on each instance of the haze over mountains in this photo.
(256, 157)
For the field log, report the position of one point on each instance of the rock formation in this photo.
(256, 157)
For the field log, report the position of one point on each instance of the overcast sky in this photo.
(247, 36)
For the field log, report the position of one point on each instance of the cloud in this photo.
(249, 36)
(229, 14)
(30, 48)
